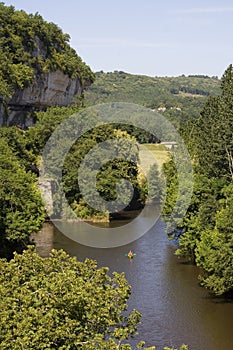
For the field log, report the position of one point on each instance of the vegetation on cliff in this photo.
(30, 46)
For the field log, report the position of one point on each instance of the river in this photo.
(175, 309)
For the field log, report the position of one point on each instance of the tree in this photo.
(46, 123)
(60, 303)
(21, 207)
(224, 217)
(154, 183)
(214, 254)
(201, 214)
(107, 172)
(17, 139)
(212, 136)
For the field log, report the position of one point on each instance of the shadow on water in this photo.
(226, 298)
(175, 309)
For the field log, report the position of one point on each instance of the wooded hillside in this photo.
(179, 98)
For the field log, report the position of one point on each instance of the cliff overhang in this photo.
(47, 90)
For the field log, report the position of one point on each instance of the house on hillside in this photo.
(169, 144)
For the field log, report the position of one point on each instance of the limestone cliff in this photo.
(38, 68)
(48, 89)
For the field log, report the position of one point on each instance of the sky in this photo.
(149, 37)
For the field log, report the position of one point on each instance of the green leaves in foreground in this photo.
(61, 303)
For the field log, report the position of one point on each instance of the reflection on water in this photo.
(113, 234)
(175, 309)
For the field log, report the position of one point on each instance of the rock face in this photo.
(48, 89)
(46, 188)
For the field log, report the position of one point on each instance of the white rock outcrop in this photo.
(47, 90)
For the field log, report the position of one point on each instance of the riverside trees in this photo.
(207, 225)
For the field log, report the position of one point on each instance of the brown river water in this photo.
(175, 309)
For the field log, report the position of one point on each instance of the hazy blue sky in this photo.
(157, 38)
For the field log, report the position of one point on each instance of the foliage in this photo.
(21, 209)
(214, 254)
(211, 137)
(201, 214)
(46, 123)
(18, 141)
(169, 197)
(224, 215)
(214, 249)
(30, 46)
(107, 175)
(176, 195)
(154, 183)
(149, 91)
(60, 303)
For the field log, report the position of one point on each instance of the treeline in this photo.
(107, 175)
(207, 227)
(21, 207)
(58, 302)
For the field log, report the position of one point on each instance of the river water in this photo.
(175, 309)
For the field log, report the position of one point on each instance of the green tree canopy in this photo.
(21, 208)
(19, 142)
(108, 175)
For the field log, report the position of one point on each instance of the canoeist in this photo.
(130, 255)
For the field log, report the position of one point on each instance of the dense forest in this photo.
(89, 312)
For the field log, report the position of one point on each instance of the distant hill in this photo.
(180, 98)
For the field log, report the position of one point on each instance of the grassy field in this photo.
(150, 153)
